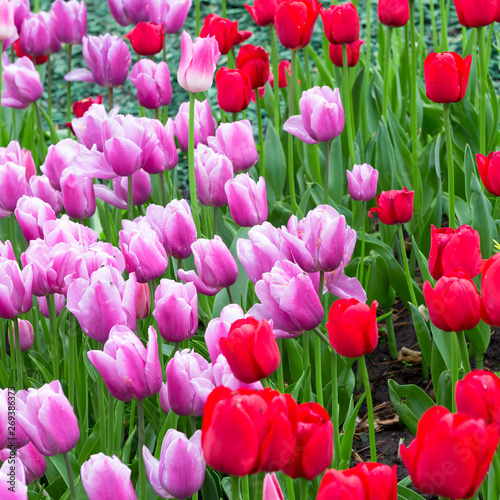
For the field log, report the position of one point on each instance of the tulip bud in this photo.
(394, 207)
(394, 13)
(147, 39)
(22, 84)
(476, 14)
(142, 301)
(38, 36)
(31, 214)
(272, 488)
(362, 182)
(254, 61)
(15, 293)
(489, 171)
(70, 21)
(32, 460)
(294, 22)
(263, 11)
(284, 73)
(336, 54)
(152, 82)
(234, 90)
(26, 335)
(341, 23)
(78, 194)
(223, 30)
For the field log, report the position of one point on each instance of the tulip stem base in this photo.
(326, 185)
(405, 263)
(49, 87)
(197, 14)
(215, 220)
(235, 488)
(369, 404)
(110, 423)
(306, 361)
(192, 178)
(245, 488)
(443, 36)
(275, 63)
(368, 37)
(464, 352)
(230, 295)
(142, 467)
(54, 334)
(451, 166)
(40, 131)
(387, 66)
(19, 356)
(335, 411)
(291, 170)
(281, 380)
(71, 481)
(261, 135)
(289, 488)
(362, 259)
(347, 104)
(391, 337)
(455, 362)
(483, 77)
(304, 488)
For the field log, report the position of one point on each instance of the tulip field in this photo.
(259, 260)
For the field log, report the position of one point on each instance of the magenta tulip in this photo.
(171, 13)
(22, 84)
(33, 461)
(70, 21)
(362, 182)
(7, 25)
(31, 214)
(78, 194)
(152, 82)
(16, 290)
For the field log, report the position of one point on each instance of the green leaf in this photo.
(274, 157)
(482, 221)
(423, 335)
(406, 494)
(349, 427)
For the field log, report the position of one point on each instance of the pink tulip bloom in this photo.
(198, 63)
(272, 489)
(13, 488)
(78, 194)
(6, 251)
(67, 231)
(142, 301)
(7, 399)
(152, 82)
(14, 187)
(172, 13)
(130, 11)
(223, 375)
(7, 25)
(129, 369)
(21, 12)
(362, 182)
(38, 37)
(22, 84)
(96, 256)
(70, 21)
(164, 154)
(16, 289)
(41, 188)
(43, 307)
(33, 461)
(26, 335)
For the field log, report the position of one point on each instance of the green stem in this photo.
(483, 79)
(142, 468)
(261, 135)
(307, 67)
(40, 128)
(230, 295)
(464, 352)
(362, 261)
(387, 65)
(281, 381)
(68, 87)
(368, 34)
(3, 346)
(275, 63)
(306, 362)
(235, 488)
(393, 348)
(433, 22)
(54, 334)
(215, 220)
(72, 359)
(130, 193)
(110, 423)
(19, 359)
(369, 404)
(71, 481)
(443, 37)
(326, 185)
(101, 388)
(49, 87)
(454, 369)
(291, 107)
(197, 14)
(245, 488)
(347, 100)
(335, 411)
(110, 98)
(224, 13)
(451, 167)
(161, 179)
(192, 179)
(304, 488)
(289, 488)
(317, 350)
(407, 269)
(496, 467)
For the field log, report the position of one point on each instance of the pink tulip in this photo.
(172, 13)
(78, 194)
(96, 256)
(362, 182)
(16, 290)
(38, 37)
(164, 154)
(26, 335)
(21, 12)
(130, 11)
(41, 188)
(272, 489)
(20, 156)
(152, 82)
(142, 301)
(7, 26)
(65, 230)
(13, 488)
(6, 251)
(219, 327)
(70, 21)
(129, 369)
(9, 399)
(14, 186)
(198, 63)
(33, 461)
(60, 302)
(22, 84)
(88, 129)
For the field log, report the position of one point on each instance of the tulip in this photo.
(31, 213)
(32, 460)
(174, 225)
(78, 194)
(198, 63)
(212, 170)
(82, 106)
(18, 438)
(147, 39)
(263, 11)
(12, 486)
(476, 14)
(176, 310)
(272, 489)
(394, 13)
(321, 116)
(313, 451)
(265, 421)
(451, 454)
(67, 231)
(49, 420)
(88, 128)
(26, 335)
(180, 472)
(37, 60)
(394, 207)
(489, 171)
(352, 327)
(222, 29)
(143, 251)
(251, 349)
(164, 155)
(60, 303)
(129, 369)
(21, 12)
(15, 293)
(189, 382)
(335, 52)
(22, 84)
(254, 61)
(96, 256)
(108, 59)
(236, 141)
(283, 75)
(115, 307)
(41, 188)
(38, 36)
(453, 249)
(7, 25)
(362, 182)
(142, 301)
(446, 76)
(247, 200)
(363, 482)
(490, 291)
(105, 477)
(234, 90)
(204, 124)
(171, 13)
(288, 297)
(294, 22)
(454, 302)
(152, 82)
(118, 197)
(6, 251)
(341, 23)
(223, 375)
(129, 12)
(70, 21)
(478, 394)
(215, 265)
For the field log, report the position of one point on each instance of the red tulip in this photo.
(81, 107)
(234, 90)
(251, 349)
(478, 395)
(366, 481)
(147, 39)
(451, 453)
(284, 73)
(446, 76)
(341, 23)
(490, 291)
(19, 53)
(476, 13)
(394, 207)
(395, 13)
(352, 327)
(247, 431)
(453, 249)
(254, 61)
(263, 11)
(489, 170)
(313, 451)
(294, 22)
(454, 302)
(225, 32)
(336, 55)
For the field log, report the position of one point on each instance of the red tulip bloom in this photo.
(352, 327)
(294, 22)
(147, 39)
(476, 13)
(451, 454)
(489, 170)
(234, 90)
(254, 61)
(490, 291)
(263, 11)
(247, 431)
(19, 53)
(341, 23)
(225, 32)
(453, 249)
(251, 349)
(336, 54)
(454, 302)
(313, 451)
(446, 76)
(394, 207)
(284, 73)
(395, 13)
(81, 107)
